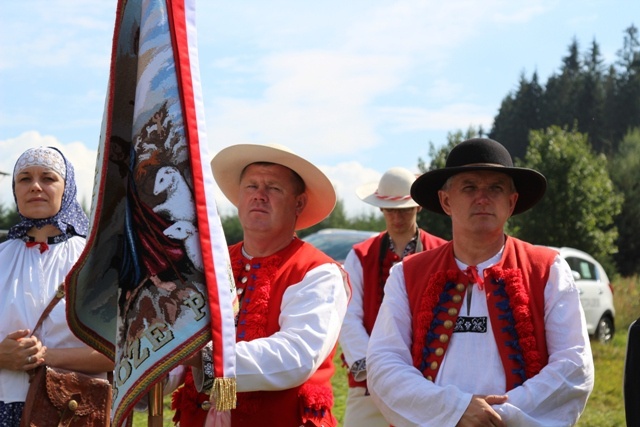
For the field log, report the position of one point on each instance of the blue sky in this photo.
(356, 87)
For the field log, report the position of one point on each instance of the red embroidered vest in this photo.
(374, 276)
(311, 402)
(515, 300)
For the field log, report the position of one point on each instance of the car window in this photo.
(336, 246)
(337, 243)
(586, 269)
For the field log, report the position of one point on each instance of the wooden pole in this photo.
(155, 405)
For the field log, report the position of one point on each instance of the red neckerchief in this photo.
(43, 245)
(472, 274)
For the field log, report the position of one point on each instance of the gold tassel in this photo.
(224, 394)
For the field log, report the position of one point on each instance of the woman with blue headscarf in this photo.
(39, 252)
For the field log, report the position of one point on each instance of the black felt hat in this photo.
(479, 154)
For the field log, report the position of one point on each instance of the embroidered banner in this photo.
(154, 283)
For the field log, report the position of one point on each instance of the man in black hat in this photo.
(486, 329)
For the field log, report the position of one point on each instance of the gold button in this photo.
(434, 365)
(444, 338)
(457, 298)
(239, 291)
(448, 324)
(429, 377)
(243, 280)
(206, 405)
(439, 351)
(247, 267)
(453, 311)
(72, 405)
(460, 287)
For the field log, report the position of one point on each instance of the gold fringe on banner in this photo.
(224, 394)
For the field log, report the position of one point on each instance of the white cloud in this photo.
(348, 176)
(56, 33)
(446, 118)
(523, 13)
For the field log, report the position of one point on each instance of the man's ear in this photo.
(301, 203)
(513, 199)
(444, 201)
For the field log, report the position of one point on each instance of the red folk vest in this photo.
(374, 276)
(311, 402)
(515, 300)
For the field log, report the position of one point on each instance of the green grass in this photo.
(340, 387)
(605, 407)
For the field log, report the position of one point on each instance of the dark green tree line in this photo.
(8, 217)
(601, 101)
(625, 173)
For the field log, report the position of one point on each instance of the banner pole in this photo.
(155, 405)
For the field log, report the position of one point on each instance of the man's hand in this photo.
(194, 361)
(479, 413)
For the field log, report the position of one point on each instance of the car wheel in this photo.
(604, 332)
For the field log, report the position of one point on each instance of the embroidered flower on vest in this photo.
(437, 300)
(254, 308)
(517, 321)
(316, 401)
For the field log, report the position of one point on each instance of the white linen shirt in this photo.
(554, 397)
(354, 338)
(311, 314)
(28, 282)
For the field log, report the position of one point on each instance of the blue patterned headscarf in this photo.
(70, 219)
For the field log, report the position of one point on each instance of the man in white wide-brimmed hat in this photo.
(292, 297)
(368, 265)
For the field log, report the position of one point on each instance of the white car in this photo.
(596, 292)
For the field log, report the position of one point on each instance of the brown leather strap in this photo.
(57, 297)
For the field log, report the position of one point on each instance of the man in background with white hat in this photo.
(292, 297)
(486, 330)
(368, 265)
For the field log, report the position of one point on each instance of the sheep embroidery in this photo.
(188, 233)
(179, 203)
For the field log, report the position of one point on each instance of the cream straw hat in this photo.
(393, 191)
(228, 164)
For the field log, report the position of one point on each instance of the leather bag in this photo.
(58, 397)
(61, 398)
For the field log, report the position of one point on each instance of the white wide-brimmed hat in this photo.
(228, 164)
(393, 191)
